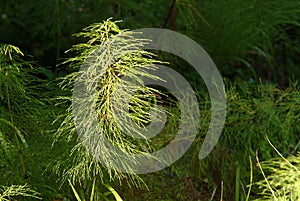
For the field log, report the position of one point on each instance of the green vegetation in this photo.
(283, 181)
(255, 45)
(8, 192)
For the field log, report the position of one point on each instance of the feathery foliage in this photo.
(6, 193)
(128, 59)
(283, 180)
(248, 40)
(24, 123)
(13, 96)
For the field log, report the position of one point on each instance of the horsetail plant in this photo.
(126, 59)
(6, 193)
(283, 181)
(12, 85)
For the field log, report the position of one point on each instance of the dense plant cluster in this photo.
(282, 183)
(255, 45)
(129, 63)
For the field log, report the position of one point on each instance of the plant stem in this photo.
(171, 10)
(15, 133)
(237, 184)
(57, 13)
(251, 178)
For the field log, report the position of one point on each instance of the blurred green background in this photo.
(248, 40)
